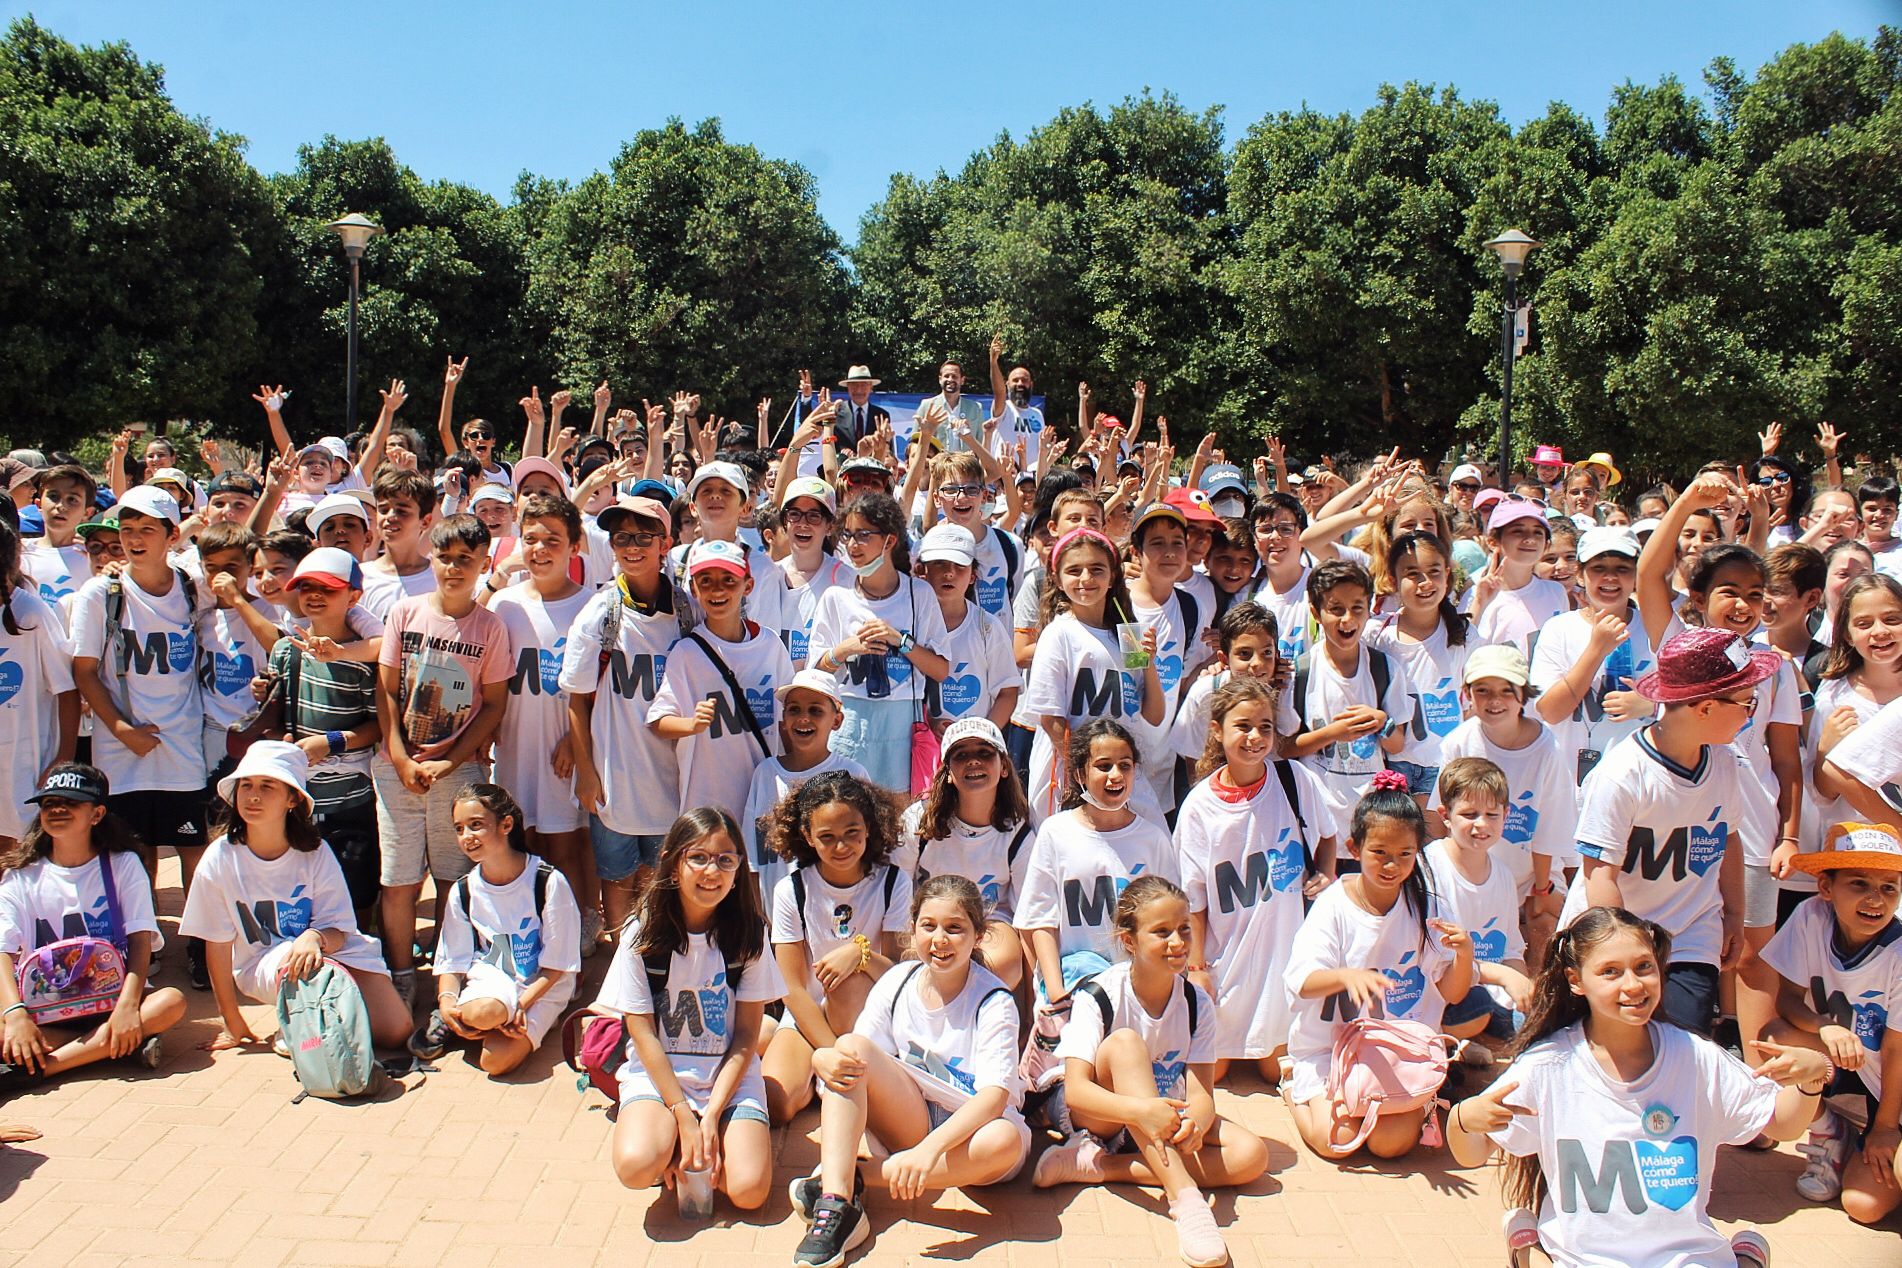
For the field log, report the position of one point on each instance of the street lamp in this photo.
(356, 230)
(1512, 247)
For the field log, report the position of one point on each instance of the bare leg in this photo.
(617, 900)
(484, 1014)
(645, 1141)
(397, 912)
(1756, 987)
(843, 1004)
(389, 1020)
(1003, 953)
(158, 1012)
(502, 1053)
(787, 1072)
(1123, 1067)
(746, 1154)
(1395, 1135)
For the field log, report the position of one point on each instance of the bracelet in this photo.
(9, 1009)
(679, 1105)
(865, 951)
(1196, 968)
(338, 742)
(1829, 1076)
(1787, 837)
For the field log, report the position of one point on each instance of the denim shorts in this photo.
(1502, 1022)
(618, 855)
(1420, 779)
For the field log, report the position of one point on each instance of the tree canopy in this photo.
(1713, 259)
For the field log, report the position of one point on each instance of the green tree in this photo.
(127, 283)
(691, 263)
(1090, 247)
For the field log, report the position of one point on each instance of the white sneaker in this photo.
(1750, 1248)
(592, 927)
(1827, 1149)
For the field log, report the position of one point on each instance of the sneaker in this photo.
(1522, 1234)
(405, 983)
(592, 927)
(1750, 1248)
(1198, 1241)
(158, 946)
(431, 1039)
(838, 1226)
(805, 1192)
(151, 1052)
(1078, 1160)
(279, 1046)
(195, 964)
(1827, 1149)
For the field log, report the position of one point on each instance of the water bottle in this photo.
(693, 1191)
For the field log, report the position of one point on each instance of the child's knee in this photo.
(497, 1059)
(484, 1014)
(1395, 1137)
(1123, 1043)
(637, 1165)
(1244, 1153)
(856, 1046)
(162, 1009)
(1866, 1202)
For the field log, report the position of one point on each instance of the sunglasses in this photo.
(1778, 477)
(1467, 486)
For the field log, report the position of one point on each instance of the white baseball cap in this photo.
(809, 679)
(332, 505)
(1466, 471)
(150, 500)
(950, 542)
(1594, 542)
(730, 472)
(975, 729)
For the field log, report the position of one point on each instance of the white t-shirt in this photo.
(771, 784)
(1346, 767)
(1543, 816)
(953, 1051)
(504, 936)
(1173, 1045)
(639, 770)
(1515, 617)
(1862, 994)
(1189, 734)
(1340, 934)
(258, 904)
(880, 902)
(36, 666)
(536, 720)
(1489, 911)
(716, 765)
(159, 687)
(982, 664)
(1560, 646)
(982, 855)
(1628, 1166)
(384, 588)
(766, 605)
(1666, 828)
(1779, 701)
(1077, 674)
(993, 572)
(55, 571)
(1872, 753)
(694, 1022)
(1180, 652)
(1820, 812)
(910, 609)
(235, 657)
(801, 603)
(1017, 423)
(43, 903)
(1435, 671)
(1243, 863)
(1290, 607)
(1077, 873)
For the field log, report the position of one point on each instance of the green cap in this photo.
(107, 522)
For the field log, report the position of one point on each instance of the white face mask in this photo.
(1228, 508)
(1104, 806)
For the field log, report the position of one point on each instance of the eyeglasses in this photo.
(860, 536)
(1775, 477)
(621, 541)
(1467, 486)
(1749, 702)
(961, 490)
(1286, 529)
(804, 517)
(864, 477)
(712, 862)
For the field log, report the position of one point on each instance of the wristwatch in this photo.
(905, 643)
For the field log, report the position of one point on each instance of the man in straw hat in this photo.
(1840, 956)
(1658, 816)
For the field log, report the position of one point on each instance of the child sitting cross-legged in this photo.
(511, 940)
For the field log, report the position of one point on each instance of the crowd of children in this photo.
(1005, 809)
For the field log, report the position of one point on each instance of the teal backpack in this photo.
(326, 1025)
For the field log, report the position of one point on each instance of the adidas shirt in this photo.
(1667, 828)
(1173, 1045)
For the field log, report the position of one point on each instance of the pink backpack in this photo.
(76, 978)
(1387, 1067)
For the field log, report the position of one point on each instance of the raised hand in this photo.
(393, 398)
(1829, 440)
(1276, 450)
(453, 370)
(1770, 437)
(560, 400)
(271, 398)
(532, 405)
(805, 383)
(602, 397)
(997, 346)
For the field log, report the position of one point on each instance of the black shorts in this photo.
(164, 818)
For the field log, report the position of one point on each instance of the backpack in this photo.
(326, 1026)
(77, 977)
(611, 619)
(1377, 664)
(1039, 1067)
(1382, 1066)
(912, 972)
(1284, 772)
(595, 1044)
(115, 642)
(459, 895)
(1089, 987)
(1013, 557)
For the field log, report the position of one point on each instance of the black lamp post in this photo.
(356, 231)
(1512, 247)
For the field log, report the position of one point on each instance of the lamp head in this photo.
(1512, 247)
(356, 230)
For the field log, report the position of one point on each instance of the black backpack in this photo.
(1377, 664)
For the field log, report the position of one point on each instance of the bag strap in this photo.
(1017, 842)
(892, 1013)
(543, 870)
(611, 621)
(1013, 556)
(116, 922)
(1088, 986)
(1188, 997)
(799, 893)
(1191, 619)
(1301, 668)
(739, 695)
(891, 883)
(1382, 669)
(1284, 772)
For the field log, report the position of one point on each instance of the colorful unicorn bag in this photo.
(77, 977)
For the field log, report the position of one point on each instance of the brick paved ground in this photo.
(207, 1160)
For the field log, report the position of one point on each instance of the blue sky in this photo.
(481, 90)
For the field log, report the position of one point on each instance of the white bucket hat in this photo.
(273, 759)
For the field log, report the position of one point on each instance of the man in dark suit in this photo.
(860, 417)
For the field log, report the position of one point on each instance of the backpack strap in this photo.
(115, 624)
(1088, 986)
(1382, 669)
(798, 892)
(115, 922)
(1301, 668)
(1013, 556)
(1017, 843)
(739, 695)
(1188, 997)
(891, 883)
(543, 870)
(1284, 772)
(903, 982)
(658, 965)
(1191, 619)
(611, 622)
